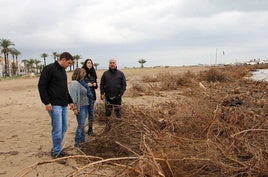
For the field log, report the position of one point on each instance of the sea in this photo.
(260, 75)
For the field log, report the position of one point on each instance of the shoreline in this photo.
(260, 75)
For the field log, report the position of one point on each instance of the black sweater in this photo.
(53, 86)
(113, 83)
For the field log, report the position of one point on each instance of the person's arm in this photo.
(123, 85)
(70, 100)
(43, 85)
(102, 84)
(75, 95)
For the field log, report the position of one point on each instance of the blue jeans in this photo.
(59, 123)
(81, 119)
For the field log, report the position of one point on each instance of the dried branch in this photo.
(249, 130)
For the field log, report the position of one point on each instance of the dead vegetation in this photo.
(216, 126)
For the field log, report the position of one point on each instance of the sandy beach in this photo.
(25, 137)
(25, 126)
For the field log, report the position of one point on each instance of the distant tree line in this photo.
(29, 65)
(34, 65)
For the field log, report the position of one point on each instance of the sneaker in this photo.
(64, 154)
(59, 155)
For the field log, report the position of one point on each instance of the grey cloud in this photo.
(133, 29)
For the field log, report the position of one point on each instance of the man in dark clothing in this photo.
(112, 87)
(54, 94)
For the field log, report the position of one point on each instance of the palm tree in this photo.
(30, 64)
(17, 53)
(44, 55)
(25, 62)
(14, 52)
(5, 44)
(142, 61)
(55, 55)
(36, 62)
(96, 65)
(76, 58)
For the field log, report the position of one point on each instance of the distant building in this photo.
(21, 70)
(263, 62)
(257, 61)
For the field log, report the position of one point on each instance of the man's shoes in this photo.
(108, 110)
(118, 115)
(108, 113)
(59, 155)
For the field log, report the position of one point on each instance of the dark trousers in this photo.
(113, 103)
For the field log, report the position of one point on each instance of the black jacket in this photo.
(113, 83)
(91, 79)
(53, 86)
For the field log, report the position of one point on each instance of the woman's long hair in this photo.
(90, 71)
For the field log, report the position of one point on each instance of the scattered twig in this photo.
(248, 130)
(100, 162)
(211, 123)
(28, 169)
(160, 172)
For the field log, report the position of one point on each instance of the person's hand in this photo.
(74, 109)
(75, 112)
(93, 84)
(103, 96)
(72, 106)
(48, 107)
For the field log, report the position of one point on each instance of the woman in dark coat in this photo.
(91, 80)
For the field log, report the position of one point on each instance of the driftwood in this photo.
(216, 129)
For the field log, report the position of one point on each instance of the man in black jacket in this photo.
(54, 94)
(112, 87)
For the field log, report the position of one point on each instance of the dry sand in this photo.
(25, 126)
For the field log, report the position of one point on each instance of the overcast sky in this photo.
(163, 32)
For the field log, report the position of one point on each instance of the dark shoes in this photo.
(108, 110)
(108, 113)
(118, 115)
(60, 155)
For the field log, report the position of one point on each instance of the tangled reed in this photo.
(209, 129)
